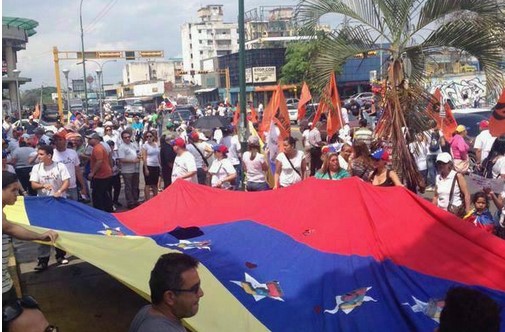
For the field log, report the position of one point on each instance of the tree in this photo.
(297, 66)
(411, 30)
(32, 97)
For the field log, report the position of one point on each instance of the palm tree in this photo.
(408, 31)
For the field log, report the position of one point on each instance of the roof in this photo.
(21, 23)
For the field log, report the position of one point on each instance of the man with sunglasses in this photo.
(175, 293)
(24, 315)
(129, 157)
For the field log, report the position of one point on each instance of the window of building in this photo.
(199, 31)
(192, 66)
(201, 52)
(190, 36)
(191, 55)
(200, 42)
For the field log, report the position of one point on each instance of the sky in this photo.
(108, 25)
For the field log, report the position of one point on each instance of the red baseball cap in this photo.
(195, 136)
(178, 142)
(484, 124)
(220, 148)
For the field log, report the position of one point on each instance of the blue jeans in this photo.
(432, 169)
(238, 179)
(257, 186)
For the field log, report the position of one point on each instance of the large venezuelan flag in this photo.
(317, 256)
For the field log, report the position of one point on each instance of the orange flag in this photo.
(278, 110)
(236, 116)
(497, 119)
(254, 115)
(330, 104)
(36, 113)
(447, 124)
(305, 97)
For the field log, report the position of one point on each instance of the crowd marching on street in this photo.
(92, 161)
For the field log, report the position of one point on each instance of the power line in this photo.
(99, 16)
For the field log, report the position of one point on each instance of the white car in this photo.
(293, 113)
(46, 126)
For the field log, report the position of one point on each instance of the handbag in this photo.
(293, 167)
(458, 211)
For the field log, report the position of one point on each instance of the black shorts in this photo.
(152, 178)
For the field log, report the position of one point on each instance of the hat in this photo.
(93, 135)
(39, 130)
(444, 157)
(202, 137)
(195, 136)
(62, 133)
(380, 154)
(484, 124)
(460, 129)
(253, 140)
(220, 148)
(73, 135)
(179, 141)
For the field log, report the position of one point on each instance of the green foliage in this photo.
(31, 97)
(297, 66)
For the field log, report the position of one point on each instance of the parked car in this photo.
(363, 98)
(293, 112)
(180, 116)
(291, 101)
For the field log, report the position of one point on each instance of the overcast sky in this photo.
(108, 25)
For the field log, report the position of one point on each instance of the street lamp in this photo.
(83, 62)
(65, 72)
(16, 73)
(99, 74)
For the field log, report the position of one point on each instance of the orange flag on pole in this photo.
(330, 104)
(236, 116)
(36, 112)
(305, 97)
(277, 110)
(497, 119)
(254, 115)
(446, 124)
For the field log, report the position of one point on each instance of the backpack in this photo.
(434, 142)
(487, 167)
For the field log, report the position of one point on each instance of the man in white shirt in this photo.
(230, 140)
(483, 142)
(49, 178)
(70, 159)
(201, 151)
(316, 143)
(129, 157)
(184, 164)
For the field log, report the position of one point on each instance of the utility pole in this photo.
(83, 63)
(244, 133)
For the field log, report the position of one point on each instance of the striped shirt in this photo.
(6, 278)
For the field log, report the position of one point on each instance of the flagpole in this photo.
(244, 132)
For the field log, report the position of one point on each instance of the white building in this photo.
(165, 71)
(208, 38)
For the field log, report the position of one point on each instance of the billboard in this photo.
(248, 75)
(149, 89)
(264, 74)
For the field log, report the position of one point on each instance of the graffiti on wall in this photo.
(463, 91)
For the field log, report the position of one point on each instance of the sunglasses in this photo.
(195, 289)
(14, 310)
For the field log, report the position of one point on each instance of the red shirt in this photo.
(99, 153)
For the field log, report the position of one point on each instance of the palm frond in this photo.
(438, 10)
(365, 12)
(478, 39)
(335, 49)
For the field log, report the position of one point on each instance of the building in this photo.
(15, 33)
(134, 72)
(209, 37)
(270, 27)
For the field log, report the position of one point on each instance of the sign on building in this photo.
(78, 85)
(264, 74)
(248, 75)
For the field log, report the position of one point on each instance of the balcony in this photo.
(222, 36)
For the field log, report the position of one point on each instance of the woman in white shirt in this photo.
(255, 166)
(290, 165)
(151, 159)
(222, 171)
(451, 191)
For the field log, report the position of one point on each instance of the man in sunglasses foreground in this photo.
(175, 293)
(24, 315)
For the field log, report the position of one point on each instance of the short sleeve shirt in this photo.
(219, 170)
(144, 321)
(99, 153)
(153, 154)
(53, 174)
(129, 152)
(184, 164)
(70, 159)
(288, 175)
(254, 167)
